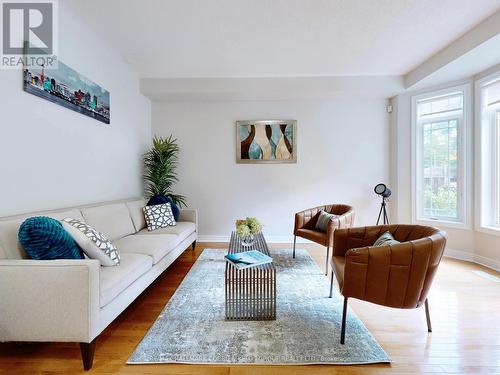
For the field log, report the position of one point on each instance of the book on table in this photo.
(247, 259)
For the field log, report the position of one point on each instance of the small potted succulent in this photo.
(246, 229)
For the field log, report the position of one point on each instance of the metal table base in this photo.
(250, 293)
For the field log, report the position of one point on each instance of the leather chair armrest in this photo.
(341, 222)
(299, 221)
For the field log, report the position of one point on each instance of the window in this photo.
(489, 153)
(439, 181)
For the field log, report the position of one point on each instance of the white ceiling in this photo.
(280, 38)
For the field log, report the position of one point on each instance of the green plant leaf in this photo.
(160, 164)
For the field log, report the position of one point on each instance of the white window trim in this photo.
(465, 151)
(480, 226)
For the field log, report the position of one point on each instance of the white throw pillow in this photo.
(93, 243)
(159, 216)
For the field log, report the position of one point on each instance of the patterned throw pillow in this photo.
(159, 216)
(323, 219)
(92, 242)
(161, 199)
(386, 239)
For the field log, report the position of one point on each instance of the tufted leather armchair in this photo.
(397, 275)
(305, 224)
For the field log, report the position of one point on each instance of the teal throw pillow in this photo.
(44, 238)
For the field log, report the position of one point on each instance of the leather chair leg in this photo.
(344, 318)
(331, 286)
(327, 256)
(428, 316)
(294, 242)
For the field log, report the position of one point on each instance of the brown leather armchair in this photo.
(305, 224)
(398, 275)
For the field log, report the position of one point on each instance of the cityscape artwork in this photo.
(66, 87)
(271, 141)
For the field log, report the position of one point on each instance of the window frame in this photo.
(486, 220)
(464, 149)
(495, 120)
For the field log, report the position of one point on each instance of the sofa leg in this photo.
(327, 256)
(428, 316)
(344, 317)
(87, 350)
(331, 286)
(193, 245)
(294, 242)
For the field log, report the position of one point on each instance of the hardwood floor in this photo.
(465, 311)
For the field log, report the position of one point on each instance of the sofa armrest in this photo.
(190, 215)
(49, 300)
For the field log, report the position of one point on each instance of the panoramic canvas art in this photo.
(68, 88)
(271, 141)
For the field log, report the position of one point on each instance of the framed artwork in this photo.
(68, 88)
(266, 141)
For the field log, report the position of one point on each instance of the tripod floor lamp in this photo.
(385, 193)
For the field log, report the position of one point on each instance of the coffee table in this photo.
(250, 293)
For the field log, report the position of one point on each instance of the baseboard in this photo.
(470, 257)
(269, 239)
(487, 262)
(212, 238)
(459, 254)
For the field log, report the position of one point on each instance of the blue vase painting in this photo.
(271, 141)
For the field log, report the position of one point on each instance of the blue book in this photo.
(248, 259)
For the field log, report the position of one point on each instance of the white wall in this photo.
(342, 153)
(53, 157)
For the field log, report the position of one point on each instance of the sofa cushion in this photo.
(183, 229)
(59, 215)
(9, 229)
(114, 280)
(136, 213)
(113, 220)
(156, 246)
(44, 238)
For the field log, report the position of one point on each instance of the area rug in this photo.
(192, 328)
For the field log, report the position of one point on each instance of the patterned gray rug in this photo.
(192, 328)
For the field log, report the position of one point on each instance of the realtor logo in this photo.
(28, 33)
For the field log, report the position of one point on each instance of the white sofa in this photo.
(75, 300)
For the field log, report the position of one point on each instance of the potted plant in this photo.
(246, 229)
(160, 175)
